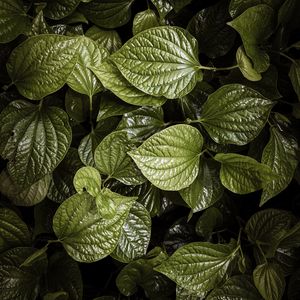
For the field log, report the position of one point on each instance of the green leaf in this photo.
(206, 188)
(255, 25)
(280, 154)
(82, 79)
(75, 17)
(169, 159)
(163, 7)
(111, 159)
(144, 20)
(107, 13)
(84, 233)
(245, 65)
(269, 280)
(41, 65)
(242, 174)
(56, 296)
(13, 231)
(135, 236)
(235, 114)
(294, 75)
(39, 25)
(34, 139)
(160, 61)
(143, 122)
(184, 294)
(209, 27)
(113, 80)
(199, 266)
(28, 196)
(39, 254)
(108, 39)
(58, 9)
(237, 287)
(179, 4)
(20, 283)
(88, 179)
(14, 20)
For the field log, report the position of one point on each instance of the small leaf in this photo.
(199, 266)
(269, 280)
(243, 174)
(58, 9)
(13, 231)
(135, 236)
(179, 4)
(235, 114)
(294, 75)
(169, 159)
(88, 179)
(113, 80)
(39, 254)
(160, 61)
(56, 296)
(144, 20)
(163, 7)
(14, 20)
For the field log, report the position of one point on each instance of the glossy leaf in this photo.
(163, 7)
(113, 80)
(58, 9)
(235, 114)
(169, 159)
(34, 140)
(243, 174)
(294, 75)
(144, 20)
(169, 66)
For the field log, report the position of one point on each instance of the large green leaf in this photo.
(34, 139)
(160, 61)
(135, 236)
(144, 20)
(85, 234)
(107, 13)
(243, 174)
(294, 75)
(16, 282)
(255, 25)
(239, 287)
(13, 231)
(169, 159)
(269, 280)
(280, 155)
(58, 9)
(199, 266)
(235, 114)
(111, 159)
(206, 188)
(113, 80)
(41, 65)
(82, 79)
(13, 20)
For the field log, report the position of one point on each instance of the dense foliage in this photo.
(149, 149)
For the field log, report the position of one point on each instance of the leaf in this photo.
(107, 13)
(209, 27)
(160, 61)
(206, 188)
(236, 287)
(255, 25)
(294, 75)
(235, 114)
(108, 39)
(179, 4)
(245, 65)
(280, 154)
(184, 294)
(13, 231)
(37, 75)
(34, 139)
(269, 280)
(58, 9)
(163, 7)
(111, 159)
(14, 20)
(56, 295)
(169, 159)
(19, 283)
(82, 79)
(39, 254)
(142, 122)
(135, 236)
(242, 174)
(144, 20)
(113, 80)
(88, 179)
(199, 266)
(86, 235)
(75, 17)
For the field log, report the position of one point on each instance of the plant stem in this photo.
(284, 55)
(218, 69)
(91, 112)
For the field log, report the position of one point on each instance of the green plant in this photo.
(158, 145)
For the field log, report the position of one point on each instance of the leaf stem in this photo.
(6, 87)
(218, 69)
(91, 112)
(284, 55)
